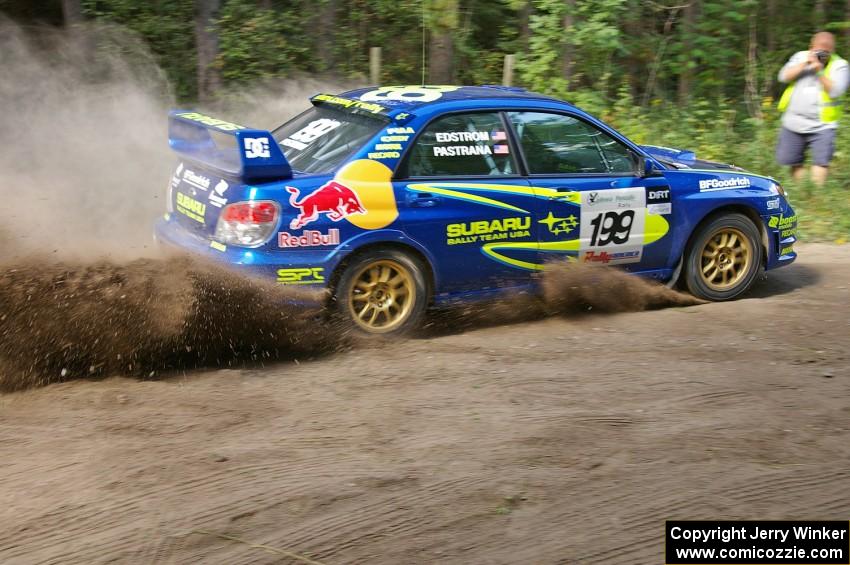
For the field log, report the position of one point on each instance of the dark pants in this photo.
(791, 147)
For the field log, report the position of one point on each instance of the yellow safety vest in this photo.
(830, 108)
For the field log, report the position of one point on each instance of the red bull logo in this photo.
(332, 198)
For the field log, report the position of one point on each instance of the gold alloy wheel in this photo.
(726, 259)
(381, 296)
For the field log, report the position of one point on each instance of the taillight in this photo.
(248, 224)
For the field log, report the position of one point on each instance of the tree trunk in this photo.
(847, 31)
(770, 39)
(327, 29)
(443, 21)
(524, 20)
(819, 14)
(567, 51)
(440, 57)
(72, 12)
(206, 42)
(686, 76)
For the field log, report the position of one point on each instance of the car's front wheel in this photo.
(724, 258)
(383, 292)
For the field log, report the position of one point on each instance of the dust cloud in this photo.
(85, 160)
(570, 288)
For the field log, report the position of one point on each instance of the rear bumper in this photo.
(291, 267)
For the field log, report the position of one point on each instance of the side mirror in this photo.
(645, 167)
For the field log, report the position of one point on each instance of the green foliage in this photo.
(166, 25)
(701, 77)
(256, 43)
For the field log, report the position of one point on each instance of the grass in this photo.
(723, 132)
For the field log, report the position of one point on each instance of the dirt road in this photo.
(564, 440)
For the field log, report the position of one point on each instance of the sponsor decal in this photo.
(332, 198)
(781, 222)
(194, 179)
(400, 130)
(558, 226)
(462, 150)
(218, 246)
(216, 197)
(394, 138)
(349, 103)
(310, 133)
(423, 93)
(178, 174)
(658, 194)
(257, 147)
(308, 238)
(659, 209)
(605, 257)
(371, 181)
(190, 207)
(301, 275)
(786, 250)
(772, 204)
(724, 184)
(461, 136)
(613, 221)
(384, 155)
(214, 123)
(786, 226)
(488, 230)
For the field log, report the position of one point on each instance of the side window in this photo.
(558, 144)
(462, 144)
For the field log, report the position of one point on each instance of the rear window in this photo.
(320, 139)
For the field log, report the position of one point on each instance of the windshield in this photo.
(320, 139)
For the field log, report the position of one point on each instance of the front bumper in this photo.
(781, 228)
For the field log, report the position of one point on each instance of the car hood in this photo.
(685, 159)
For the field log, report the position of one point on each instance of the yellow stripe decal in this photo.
(568, 197)
(463, 196)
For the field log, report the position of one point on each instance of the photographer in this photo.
(811, 106)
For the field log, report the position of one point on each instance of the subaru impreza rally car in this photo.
(401, 197)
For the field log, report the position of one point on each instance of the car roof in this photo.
(486, 92)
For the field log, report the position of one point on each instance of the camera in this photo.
(823, 56)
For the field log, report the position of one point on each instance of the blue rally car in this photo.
(401, 197)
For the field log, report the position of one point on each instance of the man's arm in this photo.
(837, 84)
(798, 64)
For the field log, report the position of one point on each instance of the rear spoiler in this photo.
(253, 155)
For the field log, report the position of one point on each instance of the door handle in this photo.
(423, 200)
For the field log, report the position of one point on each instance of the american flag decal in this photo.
(500, 149)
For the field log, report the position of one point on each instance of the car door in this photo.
(460, 193)
(597, 206)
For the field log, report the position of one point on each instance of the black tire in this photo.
(720, 269)
(387, 307)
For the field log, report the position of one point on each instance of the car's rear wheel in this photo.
(383, 292)
(724, 258)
